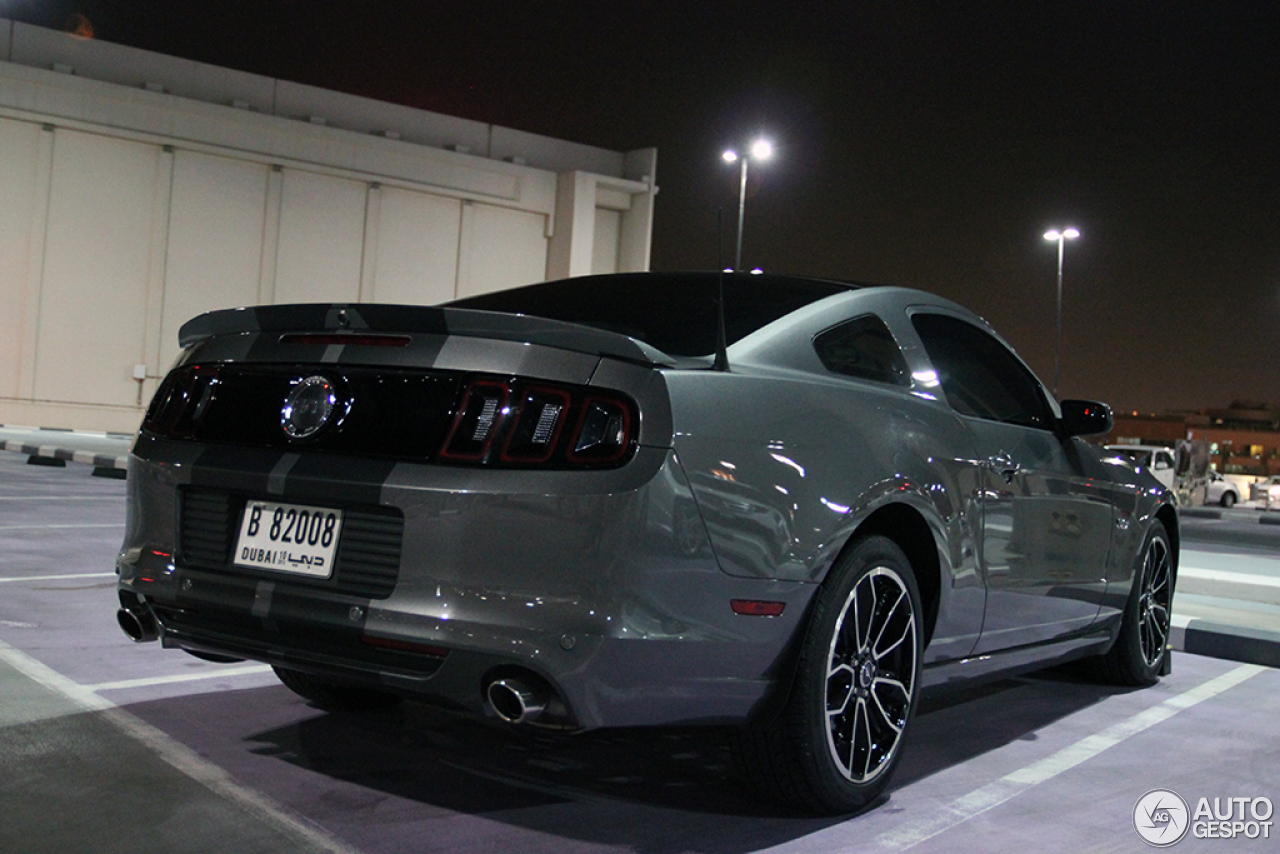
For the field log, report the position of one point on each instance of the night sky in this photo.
(927, 144)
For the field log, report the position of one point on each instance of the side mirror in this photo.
(1085, 418)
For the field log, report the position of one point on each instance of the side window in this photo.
(979, 375)
(863, 348)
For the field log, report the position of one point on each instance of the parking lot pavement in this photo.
(106, 745)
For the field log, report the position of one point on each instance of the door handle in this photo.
(1004, 465)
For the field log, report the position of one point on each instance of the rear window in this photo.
(674, 312)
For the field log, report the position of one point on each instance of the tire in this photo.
(1138, 655)
(1228, 499)
(833, 747)
(332, 695)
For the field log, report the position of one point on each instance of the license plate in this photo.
(295, 538)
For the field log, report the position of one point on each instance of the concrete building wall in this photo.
(138, 190)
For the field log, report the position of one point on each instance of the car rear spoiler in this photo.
(417, 319)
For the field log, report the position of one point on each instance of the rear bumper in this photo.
(597, 585)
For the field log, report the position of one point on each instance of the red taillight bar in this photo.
(513, 424)
(481, 415)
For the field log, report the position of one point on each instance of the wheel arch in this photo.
(908, 529)
(1168, 517)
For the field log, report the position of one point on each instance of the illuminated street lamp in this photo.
(761, 149)
(1062, 237)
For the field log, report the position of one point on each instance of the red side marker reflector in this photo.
(756, 607)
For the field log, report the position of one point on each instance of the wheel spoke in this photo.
(908, 631)
(840, 685)
(862, 738)
(1158, 625)
(889, 720)
(1160, 583)
(886, 617)
(858, 639)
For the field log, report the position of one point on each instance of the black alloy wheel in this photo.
(1155, 601)
(835, 745)
(1138, 655)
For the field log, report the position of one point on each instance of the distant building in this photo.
(140, 189)
(1244, 438)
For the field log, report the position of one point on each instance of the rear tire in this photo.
(1138, 655)
(835, 744)
(334, 696)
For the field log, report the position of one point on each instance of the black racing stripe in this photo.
(266, 348)
(336, 479)
(407, 318)
(244, 470)
(315, 316)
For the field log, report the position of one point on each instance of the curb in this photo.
(1199, 513)
(1231, 643)
(51, 452)
(57, 452)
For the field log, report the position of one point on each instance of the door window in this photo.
(979, 375)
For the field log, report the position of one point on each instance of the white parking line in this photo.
(1226, 577)
(60, 498)
(15, 578)
(50, 527)
(177, 755)
(1011, 785)
(223, 673)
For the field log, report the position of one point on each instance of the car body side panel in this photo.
(785, 470)
(1139, 498)
(1046, 536)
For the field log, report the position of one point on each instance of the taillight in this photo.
(539, 422)
(514, 424)
(475, 426)
(181, 401)
(603, 432)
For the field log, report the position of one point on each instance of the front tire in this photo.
(836, 743)
(1228, 499)
(1138, 655)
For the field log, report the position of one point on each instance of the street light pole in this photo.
(1061, 237)
(742, 209)
(760, 150)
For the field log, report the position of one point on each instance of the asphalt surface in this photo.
(106, 745)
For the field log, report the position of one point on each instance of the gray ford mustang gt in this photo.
(785, 505)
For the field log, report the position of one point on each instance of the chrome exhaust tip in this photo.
(516, 701)
(138, 625)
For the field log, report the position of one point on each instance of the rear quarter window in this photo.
(863, 348)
